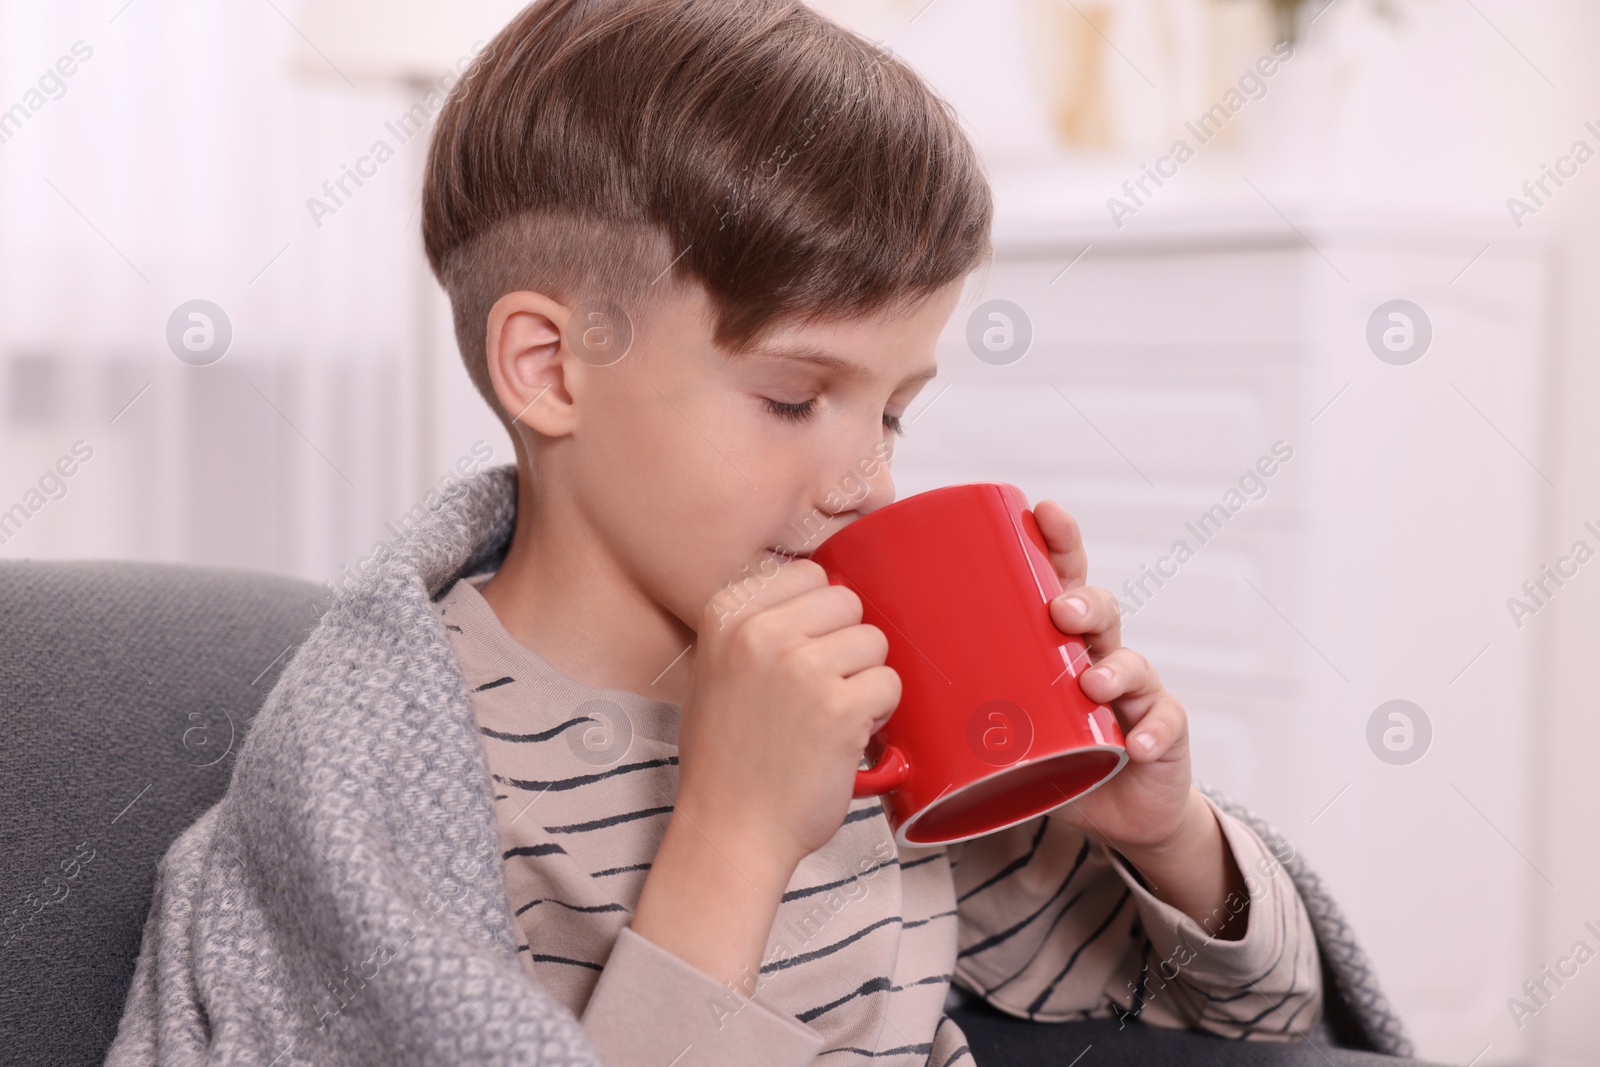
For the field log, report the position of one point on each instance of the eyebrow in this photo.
(828, 361)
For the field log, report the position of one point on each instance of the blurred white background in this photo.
(1175, 340)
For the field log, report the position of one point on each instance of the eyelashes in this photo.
(793, 412)
(805, 409)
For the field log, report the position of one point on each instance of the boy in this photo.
(653, 477)
(698, 252)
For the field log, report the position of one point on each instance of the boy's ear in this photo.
(530, 367)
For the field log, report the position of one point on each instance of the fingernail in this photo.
(1104, 672)
(1144, 741)
(1078, 604)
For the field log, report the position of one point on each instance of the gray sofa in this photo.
(124, 690)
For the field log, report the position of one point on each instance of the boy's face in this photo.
(686, 465)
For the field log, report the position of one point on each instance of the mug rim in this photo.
(900, 834)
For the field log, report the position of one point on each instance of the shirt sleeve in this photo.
(1052, 925)
(1044, 926)
(1266, 984)
(650, 1008)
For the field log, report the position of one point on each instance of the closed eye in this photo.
(805, 409)
(795, 412)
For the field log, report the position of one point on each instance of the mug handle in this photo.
(887, 775)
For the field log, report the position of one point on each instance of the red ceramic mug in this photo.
(992, 728)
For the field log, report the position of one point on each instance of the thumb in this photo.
(1064, 541)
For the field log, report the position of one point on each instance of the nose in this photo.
(863, 483)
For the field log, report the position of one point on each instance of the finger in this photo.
(1126, 681)
(763, 588)
(816, 612)
(851, 650)
(1163, 733)
(1091, 612)
(1122, 675)
(878, 688)
(1064, 541)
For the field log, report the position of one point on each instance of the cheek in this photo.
(643, 463)
(667, 484)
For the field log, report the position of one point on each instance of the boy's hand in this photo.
(787, 689)
(1147, 802)
(786, 692)
(1150, 812)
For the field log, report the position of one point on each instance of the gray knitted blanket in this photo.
(344, 902)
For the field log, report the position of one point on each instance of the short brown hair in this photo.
(789, 166)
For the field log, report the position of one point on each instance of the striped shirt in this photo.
(1040, 920)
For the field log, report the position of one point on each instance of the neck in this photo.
(562, 593)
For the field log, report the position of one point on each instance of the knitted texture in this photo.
(1355, 1009)
(344, 902)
